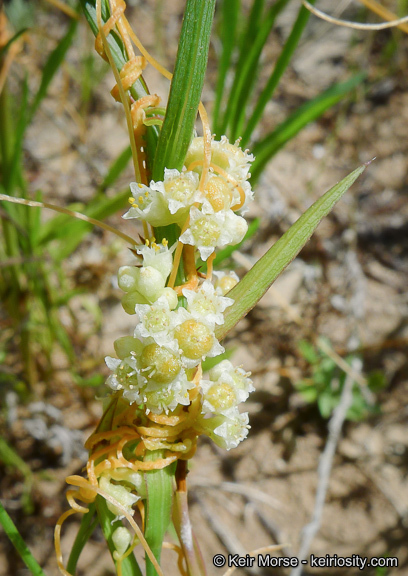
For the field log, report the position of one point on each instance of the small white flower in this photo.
(196, 340)
(229, 157)
(148, 205)
(179, 191)
(159, 257)
(225, 281)
(125, 375)
(210, 231)
(157, 322)
(159, 399)
(233, 430)
(226, 430)
(206, 305)
(204, 231)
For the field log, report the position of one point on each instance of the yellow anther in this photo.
(141, 199)
(135, 205)
(140, 185)
(147, 242)
(165, 242)
(147, 194)
(131, 200)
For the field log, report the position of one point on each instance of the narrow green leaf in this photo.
(280, 67)
(186, 87)
(257, 281)
(308, 112)
(159, 484)
(230, 10)
(246, 75)
(52, 65)
(16, 36)
(88, 524)
(246, 40)
(19, 544)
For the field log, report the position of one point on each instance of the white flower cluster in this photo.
(227, 387)
(213, 222)
(157, 367)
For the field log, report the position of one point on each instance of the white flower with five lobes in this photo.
(179, 190)
(210, 231)
(206, 305)
(228, 386)
(157, 322)
(195, 339)
(149, 205)
(226, 430)
(224, 282)
(159, 399)
(158, 256)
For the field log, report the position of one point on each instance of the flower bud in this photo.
(121, 539)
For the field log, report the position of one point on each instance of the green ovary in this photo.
(221, 396)
(195, 339)
(205, 232)
(159, 364)
(156, 320)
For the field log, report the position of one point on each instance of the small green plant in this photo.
(327, 379)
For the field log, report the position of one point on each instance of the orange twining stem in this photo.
(120, 7)
(167, 420)
(130, 72)
(97, 437)
(210, 262)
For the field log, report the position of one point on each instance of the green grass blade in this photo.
(15, 37)
(257, 281)
(186, 87)
(280, 67)
(266, 148)
(230, 10)
(88, 524)
(130, 567)
(12, 171)
(246, 41)
(52, 65)
(247, 73)
(159, 484)
(19, 544)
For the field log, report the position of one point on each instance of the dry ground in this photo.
(349, 284)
